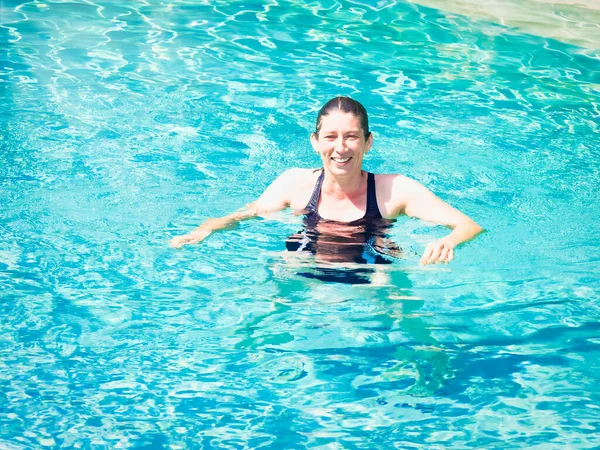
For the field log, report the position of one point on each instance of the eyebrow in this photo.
(323, 131)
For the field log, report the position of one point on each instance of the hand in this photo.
(438, 252)
(192, 238)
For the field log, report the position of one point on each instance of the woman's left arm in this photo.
(420, 202)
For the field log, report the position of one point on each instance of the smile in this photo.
(341, 160)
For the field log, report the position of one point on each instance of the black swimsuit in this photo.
(345, 242)
(372, 212)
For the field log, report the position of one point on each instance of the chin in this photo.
(342, 169)
(336, 169)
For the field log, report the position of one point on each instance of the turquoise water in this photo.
(124, 124)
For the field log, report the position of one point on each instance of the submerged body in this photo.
(360, 241)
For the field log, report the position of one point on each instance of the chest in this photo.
(328, 206)
(342, 209)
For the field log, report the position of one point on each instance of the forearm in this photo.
(462, 232)
(211, 225)
(275, 198)
(247, 212)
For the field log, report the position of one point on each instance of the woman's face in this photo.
(341, 143)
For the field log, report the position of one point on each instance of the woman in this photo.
(341, 198)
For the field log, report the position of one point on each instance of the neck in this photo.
(345, 186)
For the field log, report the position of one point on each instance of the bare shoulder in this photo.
(394, 182)
(298, 174)
(290, 188)
(394, 191)
(304, 182)
(295, 186)
(398, 184)
(387, 179)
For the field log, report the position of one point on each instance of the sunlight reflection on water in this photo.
(125, 124)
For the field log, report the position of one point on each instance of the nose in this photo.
(340, 145)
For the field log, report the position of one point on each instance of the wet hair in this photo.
(347, 105)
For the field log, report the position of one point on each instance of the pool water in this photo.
(124, 124)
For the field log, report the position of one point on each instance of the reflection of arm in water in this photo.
(275, 198)
(415, 200)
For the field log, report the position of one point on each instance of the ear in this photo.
(314, 142)
(369, 143)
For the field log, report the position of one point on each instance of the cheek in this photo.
(324, 147)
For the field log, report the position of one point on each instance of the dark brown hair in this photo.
(347, 105)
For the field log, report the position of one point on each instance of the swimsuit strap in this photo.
(372, 208)
(314, 199)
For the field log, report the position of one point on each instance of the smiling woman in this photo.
(347, 210)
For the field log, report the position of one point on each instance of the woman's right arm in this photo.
(274, 198)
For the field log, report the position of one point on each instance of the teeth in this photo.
(340, 160)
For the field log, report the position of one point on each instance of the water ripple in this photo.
(124, 124)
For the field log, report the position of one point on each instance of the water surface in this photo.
(125, 124)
